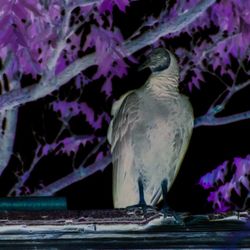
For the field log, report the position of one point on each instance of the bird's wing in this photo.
(115, 109)
(175, 150)
(125, 113)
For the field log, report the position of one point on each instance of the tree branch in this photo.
(75, 176)
(164, 29)
(34, 92)
(8, 121)
(207, 120)
(31, 93)
(6, 63)
(83, 3)
(9, 118)
(44, 150)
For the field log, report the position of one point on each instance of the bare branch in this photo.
(43, 150)
(164, 29)
(75, 176)
(207, 120)
(231, 91)
(25, 176)
(31, 93)
(94, 151)
(241, 86)
(8, 123)
(6, 63)
(7, 136)
(82, 3)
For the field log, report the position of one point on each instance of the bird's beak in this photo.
(143, 65)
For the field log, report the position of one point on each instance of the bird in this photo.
(149, 134)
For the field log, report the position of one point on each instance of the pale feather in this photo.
(122, 150)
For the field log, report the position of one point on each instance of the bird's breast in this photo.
(158, 124)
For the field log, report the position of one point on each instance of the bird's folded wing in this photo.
(120, 136)
(116, 108)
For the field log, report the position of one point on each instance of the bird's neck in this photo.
(161, 85)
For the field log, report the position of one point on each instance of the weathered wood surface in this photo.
(121, 228)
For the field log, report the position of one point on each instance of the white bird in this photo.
(149, 134)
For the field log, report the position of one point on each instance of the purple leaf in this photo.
(73, 109)
(107, 5)
(67, 145)
(107, 87)
(209, 180)
(221, 195)
(20, 11)
(32, 7)
(122, 4)
(5, 23)
(20, 38)
(6, 38)
(5, 6)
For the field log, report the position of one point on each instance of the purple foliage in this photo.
(209, 180)
(29, 33)
(232, 20)
(105, 42)
(108, 5)
(67, 145)
(71, 109)
(221, 189)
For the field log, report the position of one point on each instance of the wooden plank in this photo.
(122, 228)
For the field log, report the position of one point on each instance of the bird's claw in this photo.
(171, 216)
(141, 207)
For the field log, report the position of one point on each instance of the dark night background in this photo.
(209, 146)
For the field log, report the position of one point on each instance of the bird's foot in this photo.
(141, 207)
(170, 216)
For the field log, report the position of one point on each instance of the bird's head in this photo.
(159, 60)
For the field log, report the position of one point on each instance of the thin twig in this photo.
(76, 175)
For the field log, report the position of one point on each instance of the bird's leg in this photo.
(142, 203)
(164, 188)
(166, 210)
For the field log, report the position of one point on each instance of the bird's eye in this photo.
(161, 61)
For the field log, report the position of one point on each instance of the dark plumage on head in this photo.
(159, 59)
